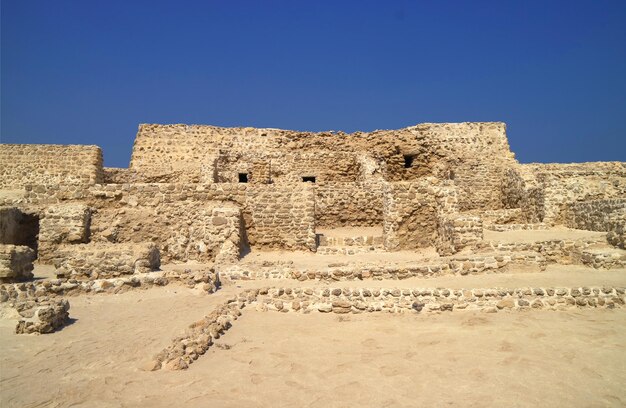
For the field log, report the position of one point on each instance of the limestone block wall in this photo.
(22, 164)
(179, 216)
(597, 215)
(62, 224)
(409, 215)
(358, 204)
(281, 218)
(115, 175)
(183, 230)
(16, 263)
(456, 232)
(472, 155)
(105, 260)
(543, 191)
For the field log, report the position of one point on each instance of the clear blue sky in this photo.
(89, 72)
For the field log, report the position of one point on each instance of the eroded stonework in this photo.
(210, 195)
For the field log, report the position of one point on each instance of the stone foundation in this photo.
(100, 260)
(41, 316)
(16, 263)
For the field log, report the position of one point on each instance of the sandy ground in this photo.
(519, 359)
(535, 358)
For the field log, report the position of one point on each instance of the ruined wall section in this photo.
(22, 164)
(473, 155)
(358, 204)
(182, 218)
(409, 210)
(599, 215)
(544, 191)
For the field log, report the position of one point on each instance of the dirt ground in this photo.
(536, 358)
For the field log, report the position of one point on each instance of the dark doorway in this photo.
(308, 179)
(408, 161)
(243, 177)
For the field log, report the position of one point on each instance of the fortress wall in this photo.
(358, 204)
(22, 164)
(474, 155)
(410, 215)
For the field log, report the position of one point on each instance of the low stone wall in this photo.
(16, 263)
(93, 261)
(62, 224)
(456, 232)
(461, 265)
(561, 251)
(197, 339)
(396, 300)
(205, 280)
(603, 259)
(274, 216)
(42, 316)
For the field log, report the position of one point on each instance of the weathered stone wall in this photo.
(179, 217)
(105, 260)
(281, 218)
(16, 263)
(409, 211)
(457, 232)
(22, 164)
(597, 215)
(543, 191)
(349, 204)
(286, 166)
(42, 315)
(473, 155)
(62, 224)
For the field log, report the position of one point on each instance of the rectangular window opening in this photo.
(408, 161)
(308, 179)
(243, 177)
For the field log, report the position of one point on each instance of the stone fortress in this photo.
(292, 214)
